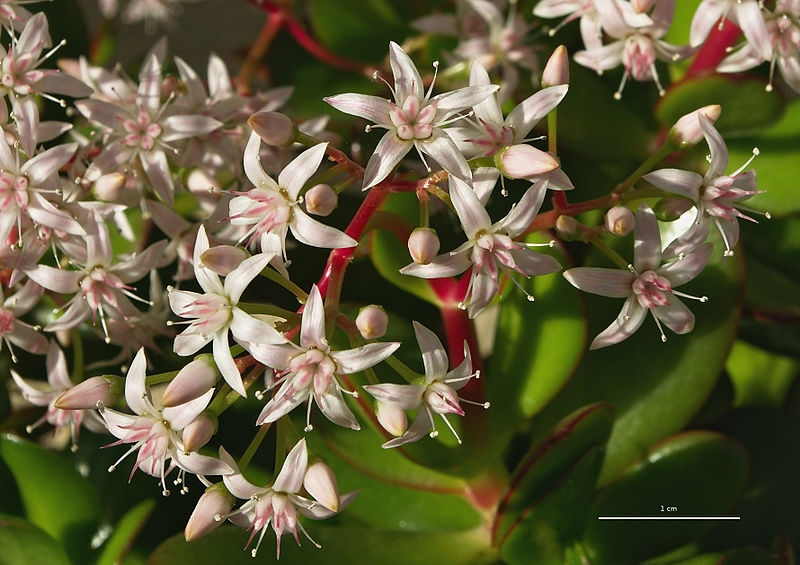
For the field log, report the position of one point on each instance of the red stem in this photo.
(714, 50)
(304, 39)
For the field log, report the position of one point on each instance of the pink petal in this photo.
(627, 322)
(676, 316)
(290, 479)
(407, 81)
(434, 357)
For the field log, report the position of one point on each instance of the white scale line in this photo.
(669, 517)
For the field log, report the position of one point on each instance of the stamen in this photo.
(661, 91)
(433, 80)
(473, 403)
(452, 429)
(684, 295)
(756, 153)
(618, 93)
(660, 329)
(308, 427)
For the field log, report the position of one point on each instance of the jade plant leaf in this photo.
(125, 533)
(47, 483)
(695, 473)
(23, 543)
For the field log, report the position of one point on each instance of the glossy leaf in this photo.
(124, 534)
(746, 106)
(47, 483)
(777, 165)
(537, 348)
(546, 463)
(22, 543)
(760, 377)
(692, 474)
(654, 387)
(354, 546)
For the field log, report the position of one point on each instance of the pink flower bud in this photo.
(193, 381)
(321, 200)
(210, 512)
(320, 483)
(556, 71)
(94, 391)
(686, 132)
(198, 432)
(620, 221)
(222, 259)
(641, 6)
(273, 127)
(523, 161)
(391, 418)
(108, 187)
(372, 321)
(423, 245)
(567, 228)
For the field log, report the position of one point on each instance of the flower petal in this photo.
(407, 81)
(388, 154)
(684, 269)
(444, 150)
(676, 316)
(676, 181)
(180, 416)
(135, 391)
(238, 279)
(520, 217)
(460, 99)
(235, 481)
(421, 427)
(309, 231)
(246, 328)
(372, 108)
(530, 111)
(647, 242)
(225, 364)
(719, 152)
(434, 357)
(750, 18)
(627, 322)
(200, 464)
(290, 479)
(272, 355)
(312, 329)
(705, 17)
(605, 282)
(488, 110)
(332, 404)
(405, 397)
(446, 265)
(358, 359)
(208, 280)
(252, 164)
(296, 173)
(471, 212)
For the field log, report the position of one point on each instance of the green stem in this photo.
(269, 309)
(77, 359)
(255, 443)
(424, 210)
(479, 162)
(323, 178)
(160, 378)
(661, 153)
(404, 370)
(613, 255)
(274, 276)
(442, 195)
(552, 123)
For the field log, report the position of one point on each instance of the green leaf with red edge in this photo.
(654, 387)
(353, 546)
(54, 495)
(746, 106)
(545, 532)
(125, 532)
(549, 461)
(537, 348)
(22, 543)
(697, 473)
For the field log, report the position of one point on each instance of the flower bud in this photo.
(620, 221)
(320, 483)
(321, 200)
(273, 127)
(423, 245)
(523, 161)
(567, 228)
(641, 6)
(210, 512)
(198, 432)
(372, 321)
(556, 71)
(94, 391)
(222, 259)
(686, 132)
(193, 381)
(670, 209)
(108, 187)
(391, 418)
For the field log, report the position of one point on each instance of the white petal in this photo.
(444, 150)
(43, 212)
(627, 322)
(273, 356)
(676, 181)
(488, 110)
(36, 395)
(407, 81)
(483, 292)
(405, 397)
(156, 168)
(296, 173)
(372, 108)
(332, 404)
(188, 343)
(309, 231)
(225, 363)
(390, 150)
(252, 164)
(135, 391)
(605, 282)
(358, 359)
(683, 270)
(421, 427)
(521, 216)
(238, 279)
(200, 464)
(434, 357)
(676, 316)
(461, 99)
(181, 127)
(284, 401)
(246, 328)
(471, 212)
(442, 266)
(45, 164)
(706, 16)
(647, 242)
(751, 20)
(149, 93)
(312, 329)
(57, 373)
(530, 111)
(208, 280)
(719, 152)
(57, 280)
(290, 479)
(180, 416)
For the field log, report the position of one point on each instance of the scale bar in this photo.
(669, 517)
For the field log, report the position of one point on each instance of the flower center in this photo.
(651, 290)
(413, 121)
(13, 190)
(6, 321)
(639, 56)
(312, 368)
(141, 132)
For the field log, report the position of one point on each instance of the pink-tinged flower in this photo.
(277, 504)
(12, 14)
(14, 331)
(783, 34)
(22, 78)
(636, 47)
(101, 286)
(491, 249)
(687, 132)
(589, 13)
(436, 395)
(488, 132)
(154, 430)
(215, 503)
(716, 194)
(556, 71)
(414, 119)
(23, 186)
(747, 14)
(45, 394)
(215, 312)
(308, 372)
(274, 207)
(648, 286)
(142, 130)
